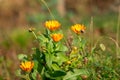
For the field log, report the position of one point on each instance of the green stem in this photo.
(79, 38)
(34, 34)
(48, 9)
(27, 77)
(6, 70)
(117, 34)
(82, 52)
(91, 32)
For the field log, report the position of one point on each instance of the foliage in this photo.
(55, 60)
(59, 59)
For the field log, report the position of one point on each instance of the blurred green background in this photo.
(16, 16)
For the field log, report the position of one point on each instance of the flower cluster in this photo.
(50, 59)
(53, 25)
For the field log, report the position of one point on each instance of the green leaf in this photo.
(61, 47)
(22, 56)
(55, 74)
(47, 32)
(75, 74)
(60, 58)
(49, 59)
(40, 68)
(38, 55)
(18, 72)
(69, 76)
(55, 67)
(82, 44)
(42, 38)
(39, 60)
(35, 64)
(34, 74)
(50, 46)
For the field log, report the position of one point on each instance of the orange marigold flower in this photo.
(26, 66)
(52, 25)
(77, 28)
(56, 37)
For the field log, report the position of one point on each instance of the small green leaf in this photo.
(18, 72)
(60, 58)
(22, 56)
(50, 46)
(47, 32)
(55, 67)
(42, 38)
(35, 64)
(61, 47)
(34, 74)
(49, 59)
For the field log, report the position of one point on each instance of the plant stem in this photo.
(34, 34)
(27, 77)
(6, 70)
(91, 32)
(48, 9)
(82, 52)
(117, 34)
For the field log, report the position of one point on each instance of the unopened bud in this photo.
(31, 29)
(84, 77)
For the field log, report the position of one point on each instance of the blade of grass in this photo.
(48, 9)
(91, 34)
(117, 34)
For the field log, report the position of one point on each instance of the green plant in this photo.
(56, 58)
(50, 59)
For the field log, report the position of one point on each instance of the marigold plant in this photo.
(57, 59)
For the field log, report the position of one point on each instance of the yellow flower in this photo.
(74, 59)
(26, 66)
(74, 50)
(78, 28)
(68, 62)
(52, 25)
(56, 37)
